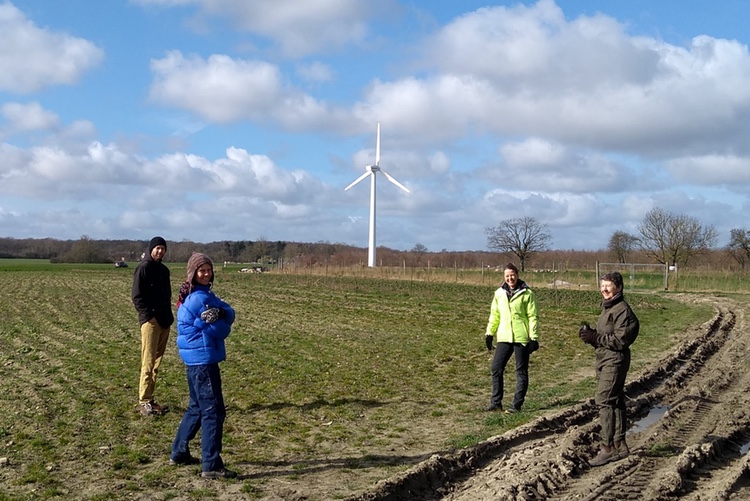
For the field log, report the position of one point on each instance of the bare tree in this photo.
(419, 251)
(85, 250)
(739, 246)
(520, 236)
(673, 238)
(621, 244)
(260, 250)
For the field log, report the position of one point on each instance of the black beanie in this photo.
(156, 241)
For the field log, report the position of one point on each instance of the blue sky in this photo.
(212, 120)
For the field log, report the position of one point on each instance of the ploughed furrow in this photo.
(548, 457)
(634, 479)
(718, 466)
(694, 448)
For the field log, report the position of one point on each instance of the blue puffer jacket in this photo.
(201, 343)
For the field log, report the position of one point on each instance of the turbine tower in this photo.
(372, 170)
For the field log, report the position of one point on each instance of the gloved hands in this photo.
(211, 315)
(588, 335)
(488, 341)
(533, 346)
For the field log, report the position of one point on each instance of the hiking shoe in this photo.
(145, 409)
(150, 409)
(184, 461)
(512, 410)
(158, 409)
(493, 408)
(604, 457)
(223, 473)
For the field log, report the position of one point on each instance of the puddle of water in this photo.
(654, 415)
(745, 447)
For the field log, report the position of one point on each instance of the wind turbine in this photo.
(372, 170)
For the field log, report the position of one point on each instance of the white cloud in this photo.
(28, 117)
(511, 111)
(315, 72)
(552, 167)
(219, 89)
(711, 170)
(296, 27)
(224, 90)
(584, 80)
(165, 3)
(440, 163)
(32, 58)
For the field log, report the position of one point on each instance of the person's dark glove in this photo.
(488, 342)
(211, 315)
(533, 346)
(588, 335)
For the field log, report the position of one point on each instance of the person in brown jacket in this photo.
(616, 329)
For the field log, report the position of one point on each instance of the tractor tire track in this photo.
(695, 448)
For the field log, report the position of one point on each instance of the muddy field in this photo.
(689, 437)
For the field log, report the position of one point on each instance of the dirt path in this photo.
(689, 437)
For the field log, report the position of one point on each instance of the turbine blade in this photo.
(377, 148)
(393, 180)
(360, 178)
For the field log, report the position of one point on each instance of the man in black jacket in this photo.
(152, 298)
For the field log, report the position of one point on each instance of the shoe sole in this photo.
(216, 476)
(611, 459)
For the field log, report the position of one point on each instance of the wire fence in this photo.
(637, 276)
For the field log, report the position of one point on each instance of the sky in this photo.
(214, 120)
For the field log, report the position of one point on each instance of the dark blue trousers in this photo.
(205, 412)
(503, 351)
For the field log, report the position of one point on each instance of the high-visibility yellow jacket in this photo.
(514, 317)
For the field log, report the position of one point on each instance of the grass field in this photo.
(375, 373)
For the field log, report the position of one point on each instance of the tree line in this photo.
(663, 237)
(262, 251)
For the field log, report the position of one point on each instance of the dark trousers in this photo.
(503, 351)
(610, 399)
(205, 412)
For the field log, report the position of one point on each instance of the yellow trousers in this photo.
(153, 344)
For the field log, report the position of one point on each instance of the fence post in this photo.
(597, 273)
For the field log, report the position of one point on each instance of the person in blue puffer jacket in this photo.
(204, 321)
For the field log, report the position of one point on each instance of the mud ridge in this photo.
(547, 458)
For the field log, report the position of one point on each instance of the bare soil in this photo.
(689, 438)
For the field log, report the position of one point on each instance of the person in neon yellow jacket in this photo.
(514, 323)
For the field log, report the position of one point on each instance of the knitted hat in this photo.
(155, 242)
(197, 260)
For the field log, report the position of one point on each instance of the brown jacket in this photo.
(617, 329)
